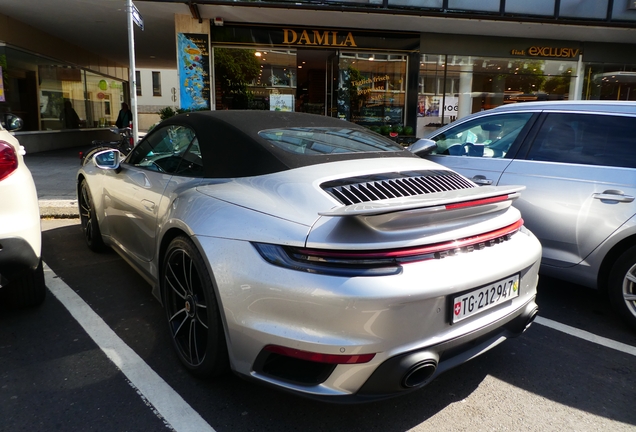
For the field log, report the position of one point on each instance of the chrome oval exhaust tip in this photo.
(532, 317)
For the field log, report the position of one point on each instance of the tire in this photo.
(622, 286)
(27, 289)
(90, 227)
(192, 310)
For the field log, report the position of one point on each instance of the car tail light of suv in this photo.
(8, 160)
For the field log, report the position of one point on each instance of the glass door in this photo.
(314, 69)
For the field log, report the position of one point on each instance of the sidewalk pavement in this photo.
(54, 175)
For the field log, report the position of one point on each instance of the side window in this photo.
(490, 136)
(589, 139)
(163, 149)
(191, 164)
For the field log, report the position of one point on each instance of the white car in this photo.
(21, 274)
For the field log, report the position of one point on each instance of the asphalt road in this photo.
(54, 376)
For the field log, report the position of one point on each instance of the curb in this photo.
(58, 209)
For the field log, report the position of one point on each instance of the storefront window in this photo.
(104, 97)
(373, 89)
(52, 95)
(452, 87)
(609, 82)
(254, 78)
(368, 89)
(61, 98)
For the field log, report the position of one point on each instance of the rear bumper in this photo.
(16, 255)
(404, 319)
(20, 229)
(413, 370)
(388, 380)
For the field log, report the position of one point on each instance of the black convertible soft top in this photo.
(232, 147)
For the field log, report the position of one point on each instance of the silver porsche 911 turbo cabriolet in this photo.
(310, 253)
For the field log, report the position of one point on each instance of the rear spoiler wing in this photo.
(432, 203)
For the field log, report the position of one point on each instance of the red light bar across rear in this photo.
(318, 357)
(418, 250)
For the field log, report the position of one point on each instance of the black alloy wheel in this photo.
(90, 227)
(192, 311)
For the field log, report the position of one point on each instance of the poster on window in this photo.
(193, 58)
(281, 102)
(430, 106)
(1, 86)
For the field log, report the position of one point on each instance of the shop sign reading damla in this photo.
(318, 37)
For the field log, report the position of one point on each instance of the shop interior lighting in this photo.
(257, 54)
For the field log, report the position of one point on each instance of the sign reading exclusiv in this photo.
(546, 51)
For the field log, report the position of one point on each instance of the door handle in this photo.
(613, 195)
(149, 205)
(481, 180)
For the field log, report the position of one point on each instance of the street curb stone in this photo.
(58, 209)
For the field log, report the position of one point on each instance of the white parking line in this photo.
(153, 390)
(591, 337)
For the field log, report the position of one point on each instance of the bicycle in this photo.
(125, 144)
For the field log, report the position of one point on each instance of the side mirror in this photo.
(422, 147)
(12, 122)
(107, 159)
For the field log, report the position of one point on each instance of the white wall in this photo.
(148, 105)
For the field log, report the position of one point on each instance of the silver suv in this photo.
(578, 162)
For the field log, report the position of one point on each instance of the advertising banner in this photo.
(193, 59)
(429, 106)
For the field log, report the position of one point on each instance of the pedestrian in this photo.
(68, 116)
(125, 117)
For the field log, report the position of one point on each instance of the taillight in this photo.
(318, 357)
(8, 160)
(377, 262)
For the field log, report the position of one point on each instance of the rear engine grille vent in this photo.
(378, 187)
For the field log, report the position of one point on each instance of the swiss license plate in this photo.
(484, 298)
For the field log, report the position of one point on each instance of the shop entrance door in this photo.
(317, 81)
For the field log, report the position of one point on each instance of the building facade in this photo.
(391, 80)
(383, 80)
(60, 91)
(156, 90)
(404, 80)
